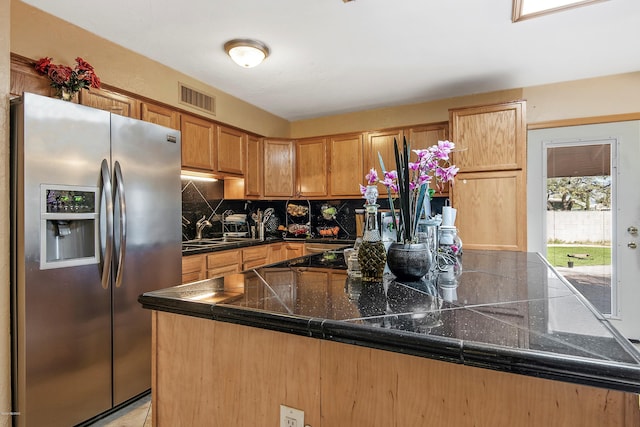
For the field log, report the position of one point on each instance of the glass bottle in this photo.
(372, 255)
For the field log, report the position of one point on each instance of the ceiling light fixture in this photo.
(246, 53)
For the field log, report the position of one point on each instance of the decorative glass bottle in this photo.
(372, 255)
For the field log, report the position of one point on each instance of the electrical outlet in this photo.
(291, 417)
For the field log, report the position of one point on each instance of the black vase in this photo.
(409, 261)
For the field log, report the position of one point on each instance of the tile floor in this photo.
(136, 414)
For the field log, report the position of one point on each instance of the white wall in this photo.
(579, 226)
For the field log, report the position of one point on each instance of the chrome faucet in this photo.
(201, 225)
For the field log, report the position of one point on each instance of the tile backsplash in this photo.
(206, 199)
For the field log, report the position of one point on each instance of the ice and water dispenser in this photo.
(68, 226)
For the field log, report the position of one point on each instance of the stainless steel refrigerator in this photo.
(96, 222)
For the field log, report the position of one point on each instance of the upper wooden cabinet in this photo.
(490, 189)
(381, 142)
(107, 100)
(345, 165)
(425, 136)
(278, 173)
(231, 146)
(311, 167)
(160, 115)
(253, 168)
(198, 144)
(24, 78)
(489, 138)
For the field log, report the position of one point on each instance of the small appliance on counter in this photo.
(234, 225)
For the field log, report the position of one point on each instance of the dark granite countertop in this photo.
(239, 243)
(508, 311)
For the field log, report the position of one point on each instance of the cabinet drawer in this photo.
(254, 253)
(222, 270)
(192, 264)
(254, 263)
(224, 258)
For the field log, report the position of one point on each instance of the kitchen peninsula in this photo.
(505, 341)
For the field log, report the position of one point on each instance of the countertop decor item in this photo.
(68, 81)
(410, 181)
(372, 255)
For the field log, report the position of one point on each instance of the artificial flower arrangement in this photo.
(410, 182)
(66, 80)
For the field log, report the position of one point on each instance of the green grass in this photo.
(598, 255)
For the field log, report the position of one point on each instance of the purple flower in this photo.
(372, 176)
(447, 174)
(362, 189)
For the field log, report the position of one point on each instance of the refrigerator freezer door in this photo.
(62, 348)
(148, 156)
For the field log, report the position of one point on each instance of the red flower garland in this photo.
(64, 78)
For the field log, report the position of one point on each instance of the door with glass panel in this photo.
(591, 214)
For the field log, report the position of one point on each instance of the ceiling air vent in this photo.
(197, 99)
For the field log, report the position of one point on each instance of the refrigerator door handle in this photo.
(123, 222)
(108, 199)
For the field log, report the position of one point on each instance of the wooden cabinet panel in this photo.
(278, 168)
(253, 167)
(224, 262)
(382, 142)
(293, 250)
(113, 102)
(24, 78)
(198, 145)
(422, 137)
(255, 256)
(231, 146)
(489, 137)
(193, 268)
(345, 165)
(311, 167)
(160, 115)
(276, 252)
(491, 210)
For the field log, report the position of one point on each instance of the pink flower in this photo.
(372, 176)
(447, 174)
(363, 189)
(390, 175)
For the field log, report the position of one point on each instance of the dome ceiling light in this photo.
(245, 52)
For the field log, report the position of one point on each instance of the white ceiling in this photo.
(330, 57)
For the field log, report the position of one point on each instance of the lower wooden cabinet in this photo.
(255, 256)
(224, 262)
(220, 263)
(293, 250)
(193, 268)
(357, 386)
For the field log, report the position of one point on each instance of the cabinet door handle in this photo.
(632, 245)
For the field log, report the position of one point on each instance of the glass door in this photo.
(584, 212)
(578, 216)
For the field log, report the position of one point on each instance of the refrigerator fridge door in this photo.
(62, 316)
(147, 253)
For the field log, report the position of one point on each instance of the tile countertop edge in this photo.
(569, 369)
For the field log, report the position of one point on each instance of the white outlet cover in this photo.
(291, 417)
